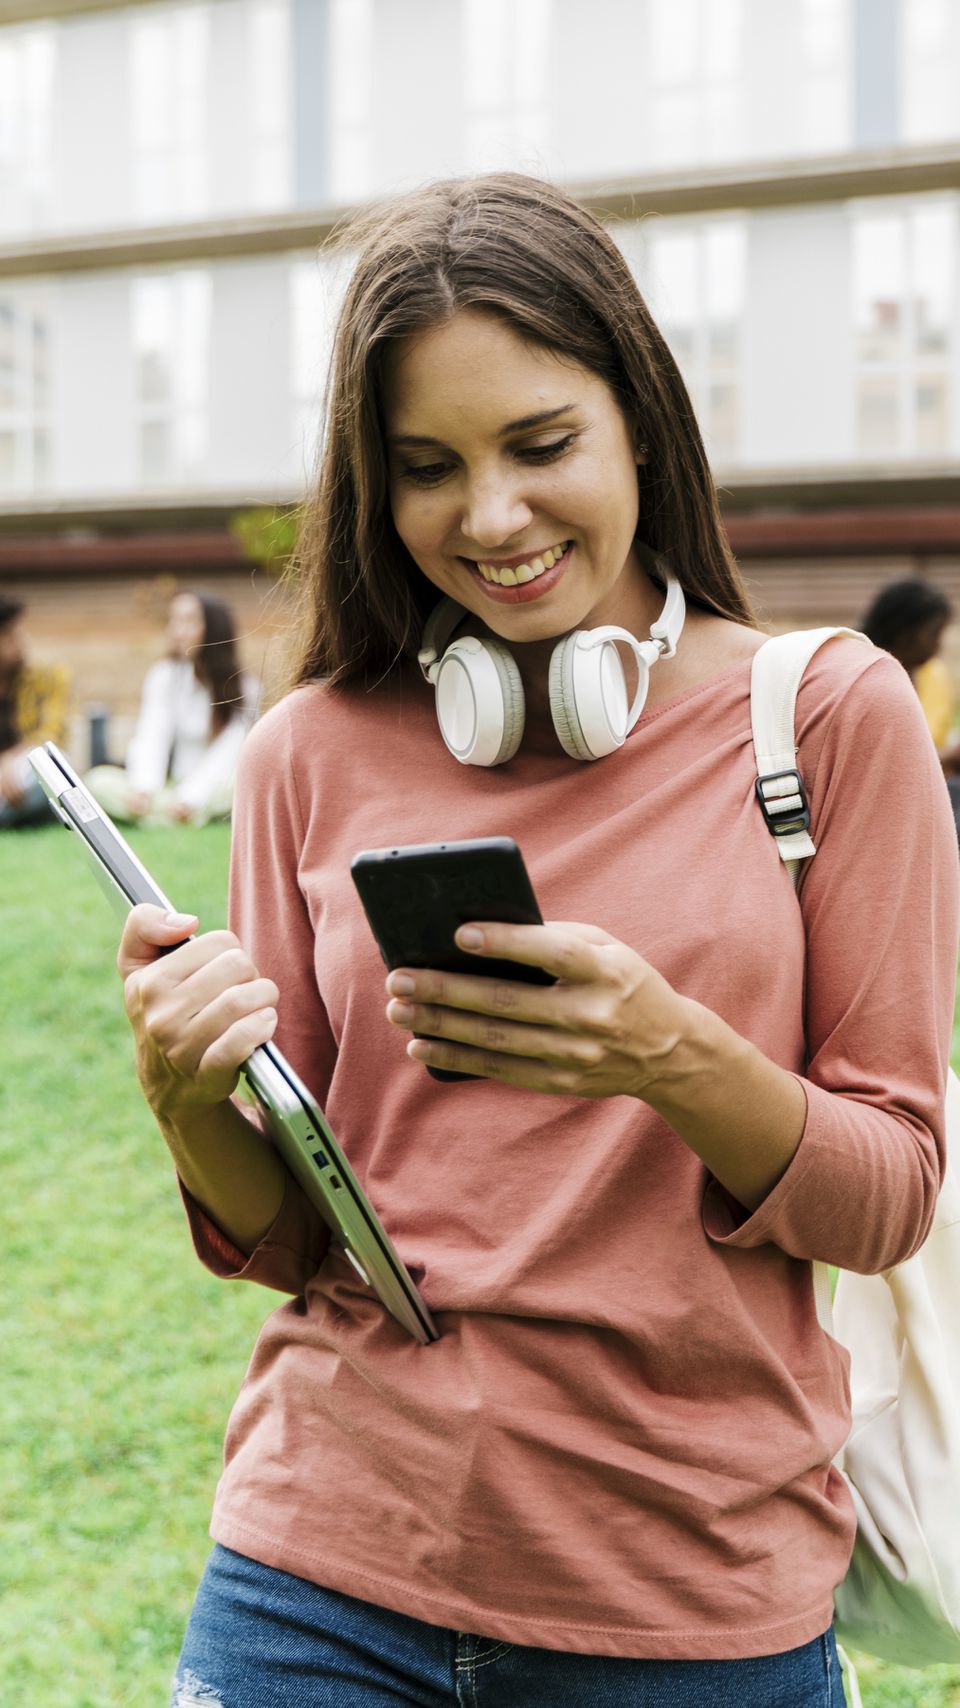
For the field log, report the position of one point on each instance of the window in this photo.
(271, 102)
(696, 66)
(904, 271)
(930, 56)
(169, 78)
(25, 435)
(825, 110)
(317, 288)
(27, 65)
(506, 62)
(351, 99)
(170, 315)
(694, 280)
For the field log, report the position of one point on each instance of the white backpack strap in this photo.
(778, 667)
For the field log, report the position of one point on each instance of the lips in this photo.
(529, 569)
(522, 591)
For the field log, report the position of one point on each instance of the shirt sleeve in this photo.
(211, 780)
(290, 1252)
(44, 705)
(269, 914)
(148, 755)
(880, 909)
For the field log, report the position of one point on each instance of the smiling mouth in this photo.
(515, 575)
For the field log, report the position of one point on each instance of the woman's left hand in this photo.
(607, 1027)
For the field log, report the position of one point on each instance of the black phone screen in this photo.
(415, 898)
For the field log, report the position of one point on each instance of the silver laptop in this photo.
(296, 1122)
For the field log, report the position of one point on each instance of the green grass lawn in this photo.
(120, 1356)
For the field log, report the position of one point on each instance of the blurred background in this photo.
(783, 176)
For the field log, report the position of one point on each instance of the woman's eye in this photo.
(547, 453)
(425, 474)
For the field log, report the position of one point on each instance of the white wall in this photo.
(95, 443)
(797, 373)
(574, 88)
(795, 370)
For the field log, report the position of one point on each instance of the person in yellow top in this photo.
(908, 619)
(935, 688)
(34, 702)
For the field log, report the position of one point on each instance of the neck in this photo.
(636, 606)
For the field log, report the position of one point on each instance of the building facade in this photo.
(783, 176)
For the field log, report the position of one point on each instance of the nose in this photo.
(494, 511)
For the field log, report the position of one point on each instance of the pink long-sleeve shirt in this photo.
(622, 1443)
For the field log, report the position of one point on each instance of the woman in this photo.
(610, 1479)
(909, 618)
(195, 710)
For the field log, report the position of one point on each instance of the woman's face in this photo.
(513, 478)
(185, 625)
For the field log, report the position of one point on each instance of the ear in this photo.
(641, 451)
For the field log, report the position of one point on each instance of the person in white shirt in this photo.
(195, 710)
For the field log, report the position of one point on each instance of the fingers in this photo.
(534, 1075)
(198, 1011)
(573, 953)
(224, 1057)
(567, 950)
(148, 932)
(500, 1037)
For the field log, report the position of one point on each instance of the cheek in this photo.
(419, 520)
(602, 498)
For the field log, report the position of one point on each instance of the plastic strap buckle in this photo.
(788, 811)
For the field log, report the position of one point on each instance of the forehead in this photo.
(475, 370)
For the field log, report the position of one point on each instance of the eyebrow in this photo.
(524, 423)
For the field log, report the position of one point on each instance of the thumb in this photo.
(149, 932)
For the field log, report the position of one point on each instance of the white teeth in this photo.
(523, 571)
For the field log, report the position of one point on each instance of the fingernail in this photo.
(178, 919)
(399, 1013)
(469, 937)
(400, 984)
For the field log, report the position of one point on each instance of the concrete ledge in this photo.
(744, 184)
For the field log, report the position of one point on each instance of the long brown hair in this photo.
(523, 250)
(215, 662)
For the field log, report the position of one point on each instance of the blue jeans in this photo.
(259, 1638)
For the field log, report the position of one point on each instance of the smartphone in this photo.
(416, 897)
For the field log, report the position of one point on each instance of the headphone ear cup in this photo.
(479, 701)
(589, 703)
(563, 700)
(514, 705)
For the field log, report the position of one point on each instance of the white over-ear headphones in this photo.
(480, 693)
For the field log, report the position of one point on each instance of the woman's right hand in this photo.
(198, 1009)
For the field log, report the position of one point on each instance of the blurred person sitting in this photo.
(196, 707)
(34, 700)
